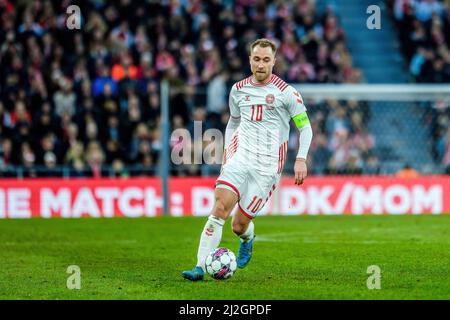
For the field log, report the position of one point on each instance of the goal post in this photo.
(376, 92)
(406, 124)
(404, 121)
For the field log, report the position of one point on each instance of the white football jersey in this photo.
(265, 110)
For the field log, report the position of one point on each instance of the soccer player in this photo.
(256, 137)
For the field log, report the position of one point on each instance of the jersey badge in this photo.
(270, 98)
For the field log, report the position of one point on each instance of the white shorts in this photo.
(252, 188)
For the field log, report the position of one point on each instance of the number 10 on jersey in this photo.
(257, 112)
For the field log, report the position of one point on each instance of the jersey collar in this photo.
(256, 84)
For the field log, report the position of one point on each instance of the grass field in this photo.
(301, 257)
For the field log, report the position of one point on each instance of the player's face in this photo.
(262, 61)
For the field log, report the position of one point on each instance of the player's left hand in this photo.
(300, 171)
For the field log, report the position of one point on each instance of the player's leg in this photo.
(259, 190)
(244, 228)
(225, 200)
(229, 185)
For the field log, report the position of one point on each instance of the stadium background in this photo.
(81, 136)
(87, 103)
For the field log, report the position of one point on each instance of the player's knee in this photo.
(220, 210)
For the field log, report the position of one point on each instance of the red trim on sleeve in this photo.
(279, 83)
(242, 83)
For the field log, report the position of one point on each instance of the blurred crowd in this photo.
(342, 143)
(88, 100)
(423, 28)
(438, 117)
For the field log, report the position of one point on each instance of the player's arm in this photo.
(299, 115)
(304, 127)
(233, 121)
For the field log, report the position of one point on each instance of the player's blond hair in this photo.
(263, 43)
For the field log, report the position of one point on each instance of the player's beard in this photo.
(261, 77)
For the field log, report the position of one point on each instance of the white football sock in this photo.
(249, 233)
(210, 238)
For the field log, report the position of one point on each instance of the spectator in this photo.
(78, 169)
(81, 96)
(216, 97)
(121, 36)
(320, 153)
(424, 9)
(119, 170)
(5, 153)
(75, 154)
(372, 165)
(124, 69)
(64, 99)
(421, 25)
(407, 172)
(27, 155)
(102, 80)
(95, 159)
(49, 165)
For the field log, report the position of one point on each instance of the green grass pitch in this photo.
(295, 257)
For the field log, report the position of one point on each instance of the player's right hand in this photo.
(300, 171)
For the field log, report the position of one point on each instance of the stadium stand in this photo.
(425, 42)
(87, 102)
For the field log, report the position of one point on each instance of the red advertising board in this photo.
(142, 197)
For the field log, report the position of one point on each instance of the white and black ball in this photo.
(221, 264)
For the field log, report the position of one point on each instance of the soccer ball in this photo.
(221, 263)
